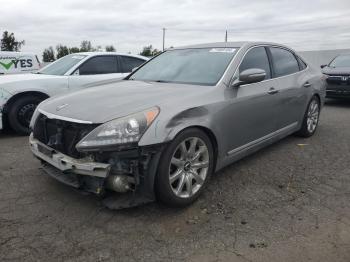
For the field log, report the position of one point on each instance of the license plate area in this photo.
(46, 151)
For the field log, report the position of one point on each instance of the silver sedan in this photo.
(166, 128)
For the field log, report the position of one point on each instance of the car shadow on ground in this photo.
(6, 134)
(343, 102)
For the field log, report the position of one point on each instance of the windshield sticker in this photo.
(79, 57)
(222, 50)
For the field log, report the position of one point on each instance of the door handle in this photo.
(272, 91)
(307, 84)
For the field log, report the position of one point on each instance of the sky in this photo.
(131, 24)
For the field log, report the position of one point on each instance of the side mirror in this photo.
(250, 76)
(323, 66)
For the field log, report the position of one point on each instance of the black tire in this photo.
(20, 113)
(163, 188)
(304, 130)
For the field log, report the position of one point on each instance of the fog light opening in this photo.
(120, 183)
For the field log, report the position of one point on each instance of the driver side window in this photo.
(256, 58)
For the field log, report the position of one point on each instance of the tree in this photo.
(110, 48)
(155, 52)
(86, 46)
(73, 50)
(9, 42)
(48, 55)
(62, 50)
(147, 51)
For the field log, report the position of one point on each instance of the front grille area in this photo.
(338, 79)
(61, 135)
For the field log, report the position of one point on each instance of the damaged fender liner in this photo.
(89, 176)
(143, 167)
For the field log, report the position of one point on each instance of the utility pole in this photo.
(164, 38)
(226, 36)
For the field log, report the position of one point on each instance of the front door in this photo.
(252, 110)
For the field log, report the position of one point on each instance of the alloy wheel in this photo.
(312, 116)
(189, 167)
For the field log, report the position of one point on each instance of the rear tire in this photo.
(21, 112)
(185, 168)
(311, 118)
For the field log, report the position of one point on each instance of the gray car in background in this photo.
(338, 77)
(166, 128)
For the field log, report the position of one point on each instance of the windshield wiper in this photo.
(161, 81)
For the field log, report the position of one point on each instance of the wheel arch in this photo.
(211, 136)
(317, 95)
(17, 96)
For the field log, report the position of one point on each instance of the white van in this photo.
(18, 63)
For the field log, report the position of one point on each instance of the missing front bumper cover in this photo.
(89, 176)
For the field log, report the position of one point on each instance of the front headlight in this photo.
(119, 131)
(34, 117)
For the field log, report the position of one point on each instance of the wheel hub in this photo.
(187, 166)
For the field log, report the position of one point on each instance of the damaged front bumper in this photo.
(93, 173)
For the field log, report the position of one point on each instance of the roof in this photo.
(111, 53)
(228, 44)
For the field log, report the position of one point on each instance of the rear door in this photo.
(94, 70)
(291, 82)
(128, 63)
(253, 108)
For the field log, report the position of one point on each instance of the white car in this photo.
(20, 94)
(18, 63)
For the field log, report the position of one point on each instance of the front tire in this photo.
(21, 112)
(311, 118)
(185, 168)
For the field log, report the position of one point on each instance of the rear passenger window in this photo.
(99, 65)
(129, 63)
(302, 64)
(256, 58)
(284, 62)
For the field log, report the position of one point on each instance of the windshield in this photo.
(341, 61)
(61, 66)
(200, 66)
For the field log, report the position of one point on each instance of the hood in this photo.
(336, 70)
(103, 103)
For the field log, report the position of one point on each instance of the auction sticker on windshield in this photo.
(222, 50)
(79, 57)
